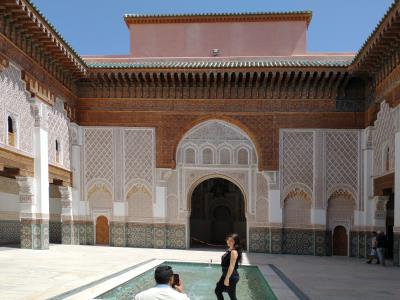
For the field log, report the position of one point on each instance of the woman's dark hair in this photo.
(237, 246)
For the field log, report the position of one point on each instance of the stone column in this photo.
(274, 213)
(380, 212)
(118, 225)
(34, 192)
(68, 234)
(33, 235)
(160, 208)
(396, 228)
(321, 236)
(368, 182)
(81, 224)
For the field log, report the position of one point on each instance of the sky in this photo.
(96, 27)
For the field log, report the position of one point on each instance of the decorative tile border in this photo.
(259, 239)
(298, 241)
(34, 234)
(10, 232)
(55, 232)
(396, 249)
(118, 234)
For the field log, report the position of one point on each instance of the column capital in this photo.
(380, 206)
(76, 134)
(367, 138)
(66, 196)
(396, 117)
(273, 179)
(26, 189)
(40, 112)
(162, 176)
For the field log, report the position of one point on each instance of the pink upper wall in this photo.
(265, 38)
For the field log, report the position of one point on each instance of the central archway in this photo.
(217, 209)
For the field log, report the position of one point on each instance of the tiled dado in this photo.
(359, 243)
(396, 249)
(289, 241)
(298, 241)
(55, 232)
(10, 232)
(34, 234)
(77, 233)
(118, 233)
(148, 235)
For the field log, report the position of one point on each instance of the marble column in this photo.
(275, 214)
(34, 192)
(320, 234)
(396, 228)
(67, 233)
(368, 182)
(34, 233)
(379, 222)
(82, 225)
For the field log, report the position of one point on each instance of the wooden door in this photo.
(102, 231)
(340, 241)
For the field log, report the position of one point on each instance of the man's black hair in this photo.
(163, 274)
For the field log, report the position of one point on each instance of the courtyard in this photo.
(26, 274)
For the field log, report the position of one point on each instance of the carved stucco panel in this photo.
(139, 158)
(58, 130)
(297, 150)
(15, 100)
(98, 155)
(342, 161)
(384, 136)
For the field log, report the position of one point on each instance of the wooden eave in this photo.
(22, 12)
(218, 18)
(379, 41)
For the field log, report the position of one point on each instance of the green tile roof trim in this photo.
(57, 33)
(370, 37)
(231, 14)
(305, 15)
(222, 64)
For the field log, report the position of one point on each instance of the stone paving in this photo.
(35, 274)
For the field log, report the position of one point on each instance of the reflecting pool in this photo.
(199, 281)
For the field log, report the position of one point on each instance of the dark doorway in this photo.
(339, 242)
(389, 222)
(218, 209)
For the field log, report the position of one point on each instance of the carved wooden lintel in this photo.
(3, 62)
(15, 161)
(37, 89)
(60, 176)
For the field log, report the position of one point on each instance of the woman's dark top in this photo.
(225, 262)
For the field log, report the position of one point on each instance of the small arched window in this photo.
(11, 134)
(207, 156)
(243, 157)
(58, 151)
(224, 157)
(190, 156)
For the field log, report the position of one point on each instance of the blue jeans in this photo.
(381, 255)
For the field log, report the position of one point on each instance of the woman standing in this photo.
(230, 263)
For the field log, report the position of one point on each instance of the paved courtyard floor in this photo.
(34, 274)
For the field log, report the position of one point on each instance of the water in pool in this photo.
(199, 281)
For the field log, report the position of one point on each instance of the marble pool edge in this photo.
(279, 287)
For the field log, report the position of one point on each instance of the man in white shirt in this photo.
(164, 289)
